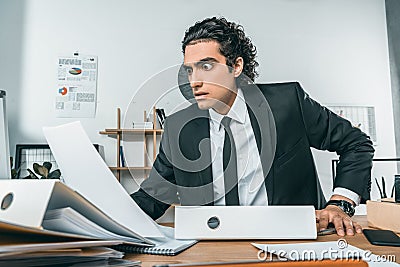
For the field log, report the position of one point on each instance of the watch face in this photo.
(346, 206)
(349, 209)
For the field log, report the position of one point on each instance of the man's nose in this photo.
(195, 83)
(195, 80)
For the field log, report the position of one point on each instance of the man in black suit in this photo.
(208, 153)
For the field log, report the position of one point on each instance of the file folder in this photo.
(245, 222)
(29, 200)
(85, 171)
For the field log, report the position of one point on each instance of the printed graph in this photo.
(362, 117)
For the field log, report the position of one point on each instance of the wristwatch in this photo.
(346, 206)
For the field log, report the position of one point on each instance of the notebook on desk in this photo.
(86, 172)
(170, 248)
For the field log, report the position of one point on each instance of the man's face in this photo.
(212, 81)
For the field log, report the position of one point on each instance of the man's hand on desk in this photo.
(336, 216)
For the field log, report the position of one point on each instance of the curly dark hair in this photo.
(233, 43)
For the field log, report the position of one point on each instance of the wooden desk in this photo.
(223, 251)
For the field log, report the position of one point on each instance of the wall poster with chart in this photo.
(76, 90)
(362, 117)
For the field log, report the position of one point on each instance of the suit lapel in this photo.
(263, 125)
(256, 128)
(201, 147)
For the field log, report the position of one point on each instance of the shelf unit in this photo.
(119, 132)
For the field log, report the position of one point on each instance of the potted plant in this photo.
(44, 172)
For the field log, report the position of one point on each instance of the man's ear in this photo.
(238, 67)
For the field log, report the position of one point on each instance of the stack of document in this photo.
(19, 250)
(52, 211)
(68, 220)
(45, 221)
(86, 173)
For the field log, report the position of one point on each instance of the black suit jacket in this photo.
(286, 123)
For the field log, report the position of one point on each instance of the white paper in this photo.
(70, 221)
(76, 87)
(320, 250)
(84, 170)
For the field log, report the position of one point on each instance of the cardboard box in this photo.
(384, 214)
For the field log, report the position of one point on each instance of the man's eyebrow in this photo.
(207, 59)
(201, 61)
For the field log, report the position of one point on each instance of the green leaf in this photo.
(15, 173)
(31, 175)
(56, 174)
(47, 165)
(36, 168)
(42, 171)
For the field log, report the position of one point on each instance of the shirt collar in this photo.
(237, 112)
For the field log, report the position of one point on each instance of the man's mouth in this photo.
(200, 95)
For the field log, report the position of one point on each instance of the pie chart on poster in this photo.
(63, 91)
(75, 71)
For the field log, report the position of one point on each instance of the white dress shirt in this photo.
(251, 186)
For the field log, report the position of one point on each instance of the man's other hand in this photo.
(341, 221)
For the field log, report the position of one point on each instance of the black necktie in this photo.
(230, 166)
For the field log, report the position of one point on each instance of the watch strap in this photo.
(344, 205)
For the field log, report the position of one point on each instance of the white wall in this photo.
(337, 49)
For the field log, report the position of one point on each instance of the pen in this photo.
(392, 193)
(384, 187)
(327, 231)
(379, 188)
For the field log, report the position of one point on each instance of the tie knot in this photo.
(226, 121)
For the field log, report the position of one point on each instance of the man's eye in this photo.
(207, 66)
(189, 71)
